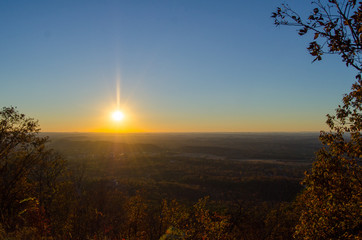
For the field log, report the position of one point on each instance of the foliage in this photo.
(333, 197)
(336, 27)
(331, 202)
(136, 216)
(280, 222)
(22, 154)
(195, 223)
(20, 150)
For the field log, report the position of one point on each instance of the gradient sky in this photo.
(194, 66)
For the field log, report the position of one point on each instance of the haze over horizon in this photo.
(170, 66)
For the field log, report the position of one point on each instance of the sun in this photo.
(117, 116)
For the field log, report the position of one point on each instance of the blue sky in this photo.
(182, 66)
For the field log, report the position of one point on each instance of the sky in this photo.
(170, 66)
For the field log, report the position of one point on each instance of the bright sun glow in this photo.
(117, 115)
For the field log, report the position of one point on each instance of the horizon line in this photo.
(231, 132)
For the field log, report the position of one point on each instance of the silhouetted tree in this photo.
(331, 201)
(27, 172)
(336, 27)
(20, 151)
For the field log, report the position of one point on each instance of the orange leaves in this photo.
(331, 201)
(195, 223)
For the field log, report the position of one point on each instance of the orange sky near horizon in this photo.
(134, 123)
(171, 66)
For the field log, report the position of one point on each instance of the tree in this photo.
(27, 169)
(332, 199)
(44, 178)
(195, 223)
(336, 27)
(331, 202)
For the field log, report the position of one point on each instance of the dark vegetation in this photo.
(148, 186)
(199, 169)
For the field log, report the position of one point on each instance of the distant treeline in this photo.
(288, 146)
